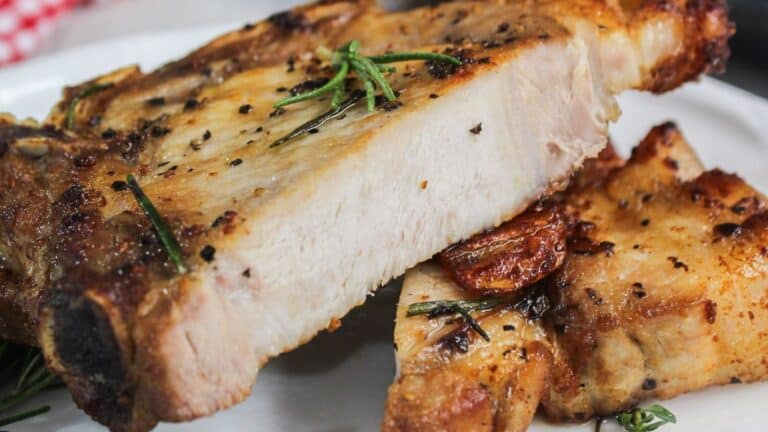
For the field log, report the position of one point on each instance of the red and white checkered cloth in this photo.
(25, 24)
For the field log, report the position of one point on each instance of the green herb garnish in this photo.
(645, 419)
(464, 308)
(24, 372)
(163, 231)
(318, 121)
(84, 93)
(369, 70)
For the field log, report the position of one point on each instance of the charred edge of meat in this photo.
(442, 70)
(662, 135)
(9, 133)
(289, 21)
(705, 47)
(239, 54)
(87, 349)
(714, 185)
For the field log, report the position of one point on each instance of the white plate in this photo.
(338, 382)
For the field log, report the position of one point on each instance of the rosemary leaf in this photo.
(369, 71)
(27, 370)
(443, 307)
(370, 94)
(163, 231)
(365, 77)
(645, 419)
(24, 415)
(321, 119)
(338, 95)
(28, 392)
(84, 93)
(473, 323)
(434, 309)
(381, 82)
(410, 56)
(331, 85)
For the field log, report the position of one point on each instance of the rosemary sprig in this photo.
(444, 307)
(464, 308)
(24, 415)
(645, 419)
(163, 231)
(25, 366)
(369, 70)
(84, 93)
(321, 119)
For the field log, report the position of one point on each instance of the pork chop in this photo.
(678, 303)
(662, 291)
(282, 240)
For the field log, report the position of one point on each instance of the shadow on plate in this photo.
(370, 323)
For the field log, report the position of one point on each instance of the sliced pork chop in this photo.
(449, 378)
(677, 302)
(662, 292)
(282, 240)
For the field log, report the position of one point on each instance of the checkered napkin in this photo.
(26, 24)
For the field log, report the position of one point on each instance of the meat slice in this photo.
(662, 291)
(282, 240)
(678, 303)
(449, 378)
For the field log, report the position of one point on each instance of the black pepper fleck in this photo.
(245, 109)
(208, 253)
(207, 135)
(247, 273)
(236, 162)
(191, 104)
(156, 101)
(508, 327)
(728, 229)
(677, 263)
(649, 384)
(119, 186)
(477, 129)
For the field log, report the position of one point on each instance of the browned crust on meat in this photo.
(705, 42)
(281, 37)
(588, 320)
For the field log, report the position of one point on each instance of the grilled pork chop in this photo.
(266, 230)
(678, 301)
(662, 292)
